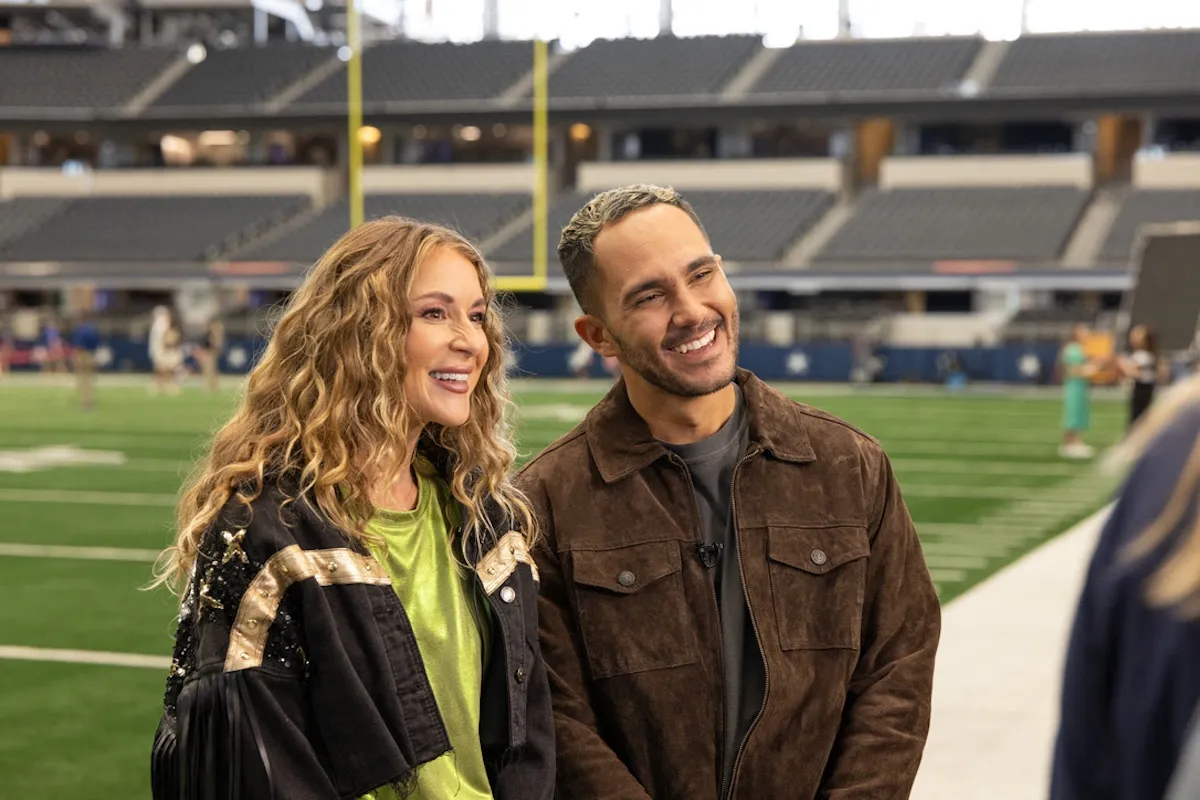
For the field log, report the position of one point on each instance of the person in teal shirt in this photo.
(1077, 370)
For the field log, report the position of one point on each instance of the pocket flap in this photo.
(628, 569)
(817, 550)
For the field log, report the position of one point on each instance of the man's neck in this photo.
(681, 420)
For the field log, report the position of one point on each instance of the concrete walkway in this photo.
(995, 696)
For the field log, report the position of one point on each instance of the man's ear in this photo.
(592, 331)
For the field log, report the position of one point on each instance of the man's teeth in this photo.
(450, 376)
(696, 344)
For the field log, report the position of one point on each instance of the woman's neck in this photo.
(401, 492)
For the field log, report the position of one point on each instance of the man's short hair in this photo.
(577, 246)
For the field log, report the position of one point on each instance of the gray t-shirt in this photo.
(711, 463)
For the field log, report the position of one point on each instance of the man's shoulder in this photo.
(832, 428)
(829, 435)
(566, 449)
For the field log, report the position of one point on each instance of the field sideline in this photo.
(87, 502)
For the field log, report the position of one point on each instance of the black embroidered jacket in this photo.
(297, 675)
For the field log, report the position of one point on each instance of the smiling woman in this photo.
(352, 557)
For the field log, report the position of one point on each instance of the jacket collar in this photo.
(621, 443)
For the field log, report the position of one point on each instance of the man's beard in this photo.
(649, 362)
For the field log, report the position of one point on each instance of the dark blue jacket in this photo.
(1132, 675)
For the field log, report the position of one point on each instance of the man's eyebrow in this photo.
(695, 264)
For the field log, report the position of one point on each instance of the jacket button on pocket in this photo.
(520, 675)
(507, 594)
(818, 557)
(626, 578)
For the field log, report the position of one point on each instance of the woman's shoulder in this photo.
(265, 521)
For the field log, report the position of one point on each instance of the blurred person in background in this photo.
(1077, 372)
(85, 341)
(734, 600)
(1145, 368)
(160, 326)
(208, 354)
(1132, 676)
(7, 347)
(358, 615)
(55, 360)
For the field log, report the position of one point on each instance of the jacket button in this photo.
(520, 675)
(626, 578)
(818, 557)
(507, 594)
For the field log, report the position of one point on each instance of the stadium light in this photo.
(580, 132)
(369, 134)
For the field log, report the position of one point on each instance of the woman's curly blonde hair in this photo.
(324, 410)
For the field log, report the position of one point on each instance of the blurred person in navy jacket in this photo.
(1132, 677)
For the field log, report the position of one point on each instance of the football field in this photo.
(86, 501)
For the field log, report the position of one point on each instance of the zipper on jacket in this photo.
(731, 784)
(716, 605)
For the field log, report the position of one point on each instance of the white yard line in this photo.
(967, 547)
(99, 657)
(86, 498)
(961, 467)
(83, 553)
(1044, 499)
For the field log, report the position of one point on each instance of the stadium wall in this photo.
(1073, 169)
(448, 178)
(825, 362)
(54, 182)
(1166, 171)
(784, 173)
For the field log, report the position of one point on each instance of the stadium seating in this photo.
(243, 76)
(170, 228)
(908, 65)
(1070, 64)
(921, 224)
(413, 71)
(70, 77)
(746, 226)
(1145, 207)
(665, 66)
(475, 215)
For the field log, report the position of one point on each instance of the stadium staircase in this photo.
(155, 88)
(1094, 226)
(980, 75)
(522, 89)
(302, 85)
(803, 251)
(749, 75)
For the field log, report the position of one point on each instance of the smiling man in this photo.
(734, 602)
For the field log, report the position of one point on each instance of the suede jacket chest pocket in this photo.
(818, 580)
(632, 612)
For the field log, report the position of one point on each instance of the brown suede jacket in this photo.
(839, 595)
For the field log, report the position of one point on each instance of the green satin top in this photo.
(451, 627)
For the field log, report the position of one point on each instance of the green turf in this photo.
(972, 468)
(77, 731)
